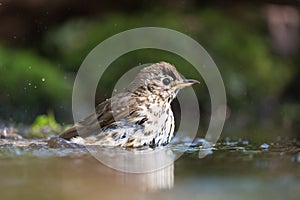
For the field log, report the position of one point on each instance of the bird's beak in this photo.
(185, 83)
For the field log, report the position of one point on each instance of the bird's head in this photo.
(160, 79)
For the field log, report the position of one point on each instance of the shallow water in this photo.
(230, 170)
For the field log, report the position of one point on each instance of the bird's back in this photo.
(126, 120)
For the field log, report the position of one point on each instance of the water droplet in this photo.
(35, 87)
(43, 79)
(115, 90)
(264, 146)
(29, 67)
(29, 83)
(245, 142)
(15, 37)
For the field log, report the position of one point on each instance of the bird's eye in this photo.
(166, 81)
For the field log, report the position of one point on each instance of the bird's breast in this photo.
(160, 123)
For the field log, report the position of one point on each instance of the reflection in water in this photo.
(149, 169)
(77, 178)
(140, 160)
(98, 181)
(152, 181)
(233, 171)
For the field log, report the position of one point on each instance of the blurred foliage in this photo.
(252, 73)
(241, 52)
(29, 84)
(44, 126)
(254, 76)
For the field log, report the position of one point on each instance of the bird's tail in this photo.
(69, 133)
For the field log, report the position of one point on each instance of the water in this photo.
(230, 170)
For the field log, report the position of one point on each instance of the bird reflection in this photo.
(144, 168)
(119, 173)
(152, 181)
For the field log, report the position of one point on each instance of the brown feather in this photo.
(106, 116)
(139, 116)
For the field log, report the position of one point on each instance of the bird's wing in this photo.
(107, 113)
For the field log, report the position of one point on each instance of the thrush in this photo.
(141, 115)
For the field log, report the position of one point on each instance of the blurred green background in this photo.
(255, 46)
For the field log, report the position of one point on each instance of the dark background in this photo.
(255, 45)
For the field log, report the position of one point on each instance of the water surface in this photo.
(231, 170)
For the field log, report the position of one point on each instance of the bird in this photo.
(141, 115)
